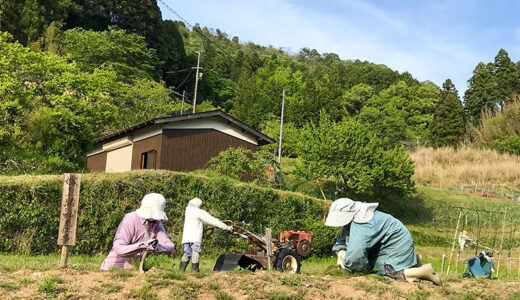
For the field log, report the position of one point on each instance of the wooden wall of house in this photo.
(149, 144)
(97, 162)
(191, 149)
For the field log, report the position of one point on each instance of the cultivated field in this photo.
(38, 278)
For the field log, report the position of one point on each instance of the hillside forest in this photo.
(74, 70)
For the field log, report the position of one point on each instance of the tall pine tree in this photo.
(491, 86)
(448, 120)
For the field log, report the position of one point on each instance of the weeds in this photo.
(186, 290)
(10, 286)
(111, 288)
(281, 295)
(51, 284)
(214, 286)
(121, 273)
(26, 281)
(221, 295)
(144, 293)
(418, 295)
(293, 280)
(174, 275)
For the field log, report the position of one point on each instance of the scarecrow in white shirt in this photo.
(194, 220)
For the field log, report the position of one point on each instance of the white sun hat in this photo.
(344, 210)
(152, 207)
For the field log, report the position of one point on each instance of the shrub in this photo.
(32, 204)
(240, 164)
(354, 157)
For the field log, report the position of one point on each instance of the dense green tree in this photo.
(357, 97)
(127, 53)
(354, 157)
(50, 109)
(401, 113)
(481, 93)
(448, 124)
(491, 86)
(507, 77)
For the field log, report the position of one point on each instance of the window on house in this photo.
(148, 159)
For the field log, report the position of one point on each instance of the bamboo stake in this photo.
(501, 243)
(453, 244)
(508, 267)
(518, 274)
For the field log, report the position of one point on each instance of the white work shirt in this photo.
(194, 220)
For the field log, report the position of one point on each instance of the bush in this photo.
(32, 204)
(240, 164)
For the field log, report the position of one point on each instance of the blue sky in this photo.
(433, 40)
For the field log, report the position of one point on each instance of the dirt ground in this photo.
(170, 284)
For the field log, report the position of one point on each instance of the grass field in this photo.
(430, 214)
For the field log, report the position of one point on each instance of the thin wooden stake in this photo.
(501, 243)
(457, 263)
(268, 246)
(508, 267)
(518, 274)
(443, 262)
(453, 244)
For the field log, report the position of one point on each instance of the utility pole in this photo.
(196, 79)
(281, 130)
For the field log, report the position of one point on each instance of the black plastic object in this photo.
(229, 261)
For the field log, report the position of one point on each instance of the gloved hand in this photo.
(230, 229)
(341, 256)
(152, 244)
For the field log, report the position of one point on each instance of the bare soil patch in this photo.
(169, 284)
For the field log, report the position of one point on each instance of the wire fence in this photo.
(477, 230)
(489, 191)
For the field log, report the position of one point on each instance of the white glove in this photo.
(341, 256)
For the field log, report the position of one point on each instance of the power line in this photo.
(193, 28)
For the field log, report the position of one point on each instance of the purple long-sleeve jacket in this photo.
(131, 240)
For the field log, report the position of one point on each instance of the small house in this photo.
(177, 143)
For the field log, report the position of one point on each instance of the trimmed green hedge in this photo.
(30, 208)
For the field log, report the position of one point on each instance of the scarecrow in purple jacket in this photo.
(139, 231)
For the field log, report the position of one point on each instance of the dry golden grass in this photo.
(447, 168)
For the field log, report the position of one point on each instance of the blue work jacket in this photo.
(383, 240)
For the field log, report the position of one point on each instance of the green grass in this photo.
(11, 262)
(110, 287)
(51, 284)
(145, 293)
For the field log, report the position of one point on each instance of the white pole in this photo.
(196, 80)
(182, 104)
(281, 129)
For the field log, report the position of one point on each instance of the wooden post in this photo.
(501, 243)
(453, 244)
(269, 247)
(69, 215)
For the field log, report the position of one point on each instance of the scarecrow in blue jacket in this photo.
(372, 240)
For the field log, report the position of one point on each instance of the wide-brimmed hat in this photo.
(345, 210)
(152, 207)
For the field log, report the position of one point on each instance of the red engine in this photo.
(301, 241)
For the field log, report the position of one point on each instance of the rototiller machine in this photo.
(288, 250)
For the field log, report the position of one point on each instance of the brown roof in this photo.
(261, 138)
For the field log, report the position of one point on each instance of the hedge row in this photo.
(30, 208)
